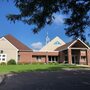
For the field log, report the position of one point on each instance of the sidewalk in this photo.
(2, 78)
(87, 66)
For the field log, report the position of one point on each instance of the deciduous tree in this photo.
(41, 13)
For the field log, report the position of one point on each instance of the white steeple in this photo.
(47, 38)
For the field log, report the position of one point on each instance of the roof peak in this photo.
(18, 44)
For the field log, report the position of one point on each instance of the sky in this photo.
(24, 33)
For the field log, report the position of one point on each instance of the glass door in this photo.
(75, 59)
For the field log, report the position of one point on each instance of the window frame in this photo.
(3, 59)
(57, 43)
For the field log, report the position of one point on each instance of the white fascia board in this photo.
(80, 48)
(71, 44)
(63, 49)
(46, 51)
(80, 41)
(84, 43)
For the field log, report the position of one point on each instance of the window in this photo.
(38, 58)
(52, 58)
(66, 59)
(1, 51)
(2, 57)
(57, 43)
(49, 58)
(83, 58)
(18, 57)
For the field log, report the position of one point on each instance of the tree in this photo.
(87, 43)
(41, 13)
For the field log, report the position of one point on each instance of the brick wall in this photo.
(88, 56)
(25, 57)
(42, 60)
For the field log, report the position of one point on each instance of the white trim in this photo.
(1, 58)
(9, 42)
(76, 41)
(84, 43)
(63, 49)
(71, 44)
(52, 42)
(80, 48)
(16, 56)
(46, 51)
(26, 50)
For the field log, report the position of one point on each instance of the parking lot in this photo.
(48, 80)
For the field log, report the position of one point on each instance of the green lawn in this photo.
(34, 67)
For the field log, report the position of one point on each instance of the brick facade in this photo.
(76, 52)
(33, 57)
(88, 57)
(62, 57)
(44, 56)
(69, 56)
(25, 57)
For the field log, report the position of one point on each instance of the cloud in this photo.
(37, 45)
(59, 19)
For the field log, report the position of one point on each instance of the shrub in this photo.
(2, 63)
(23, 63)
(11, 62)
(38, 63)
(55, 63)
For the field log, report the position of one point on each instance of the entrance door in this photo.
(75, 60)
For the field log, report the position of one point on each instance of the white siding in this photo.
(8, 49)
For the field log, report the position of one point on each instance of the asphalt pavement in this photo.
(55, 80)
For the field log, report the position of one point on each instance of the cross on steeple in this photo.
(47, 38)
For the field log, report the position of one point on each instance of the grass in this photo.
(35, 67)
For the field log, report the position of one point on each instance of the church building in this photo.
(55, 50)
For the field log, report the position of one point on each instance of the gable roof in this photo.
(63, 47)
(19, 45)
(68, 45)
(52, 45)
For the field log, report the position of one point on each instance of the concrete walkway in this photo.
(2, 77)
(87, 66)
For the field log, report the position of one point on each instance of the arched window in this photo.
(57, 43)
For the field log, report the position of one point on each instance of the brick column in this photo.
(46, 59)
(62, 57)
(88, 57)
(69, 56)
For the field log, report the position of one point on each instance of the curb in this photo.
(2, 78)
(5, 76)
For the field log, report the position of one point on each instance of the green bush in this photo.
(11, 62)
(38, 63)
(2, 63)
(23, 63)
(54, 63)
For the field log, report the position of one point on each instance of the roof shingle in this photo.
(19, 45)
(63, 47)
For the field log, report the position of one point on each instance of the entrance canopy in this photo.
(74, 52)
(76, 44)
